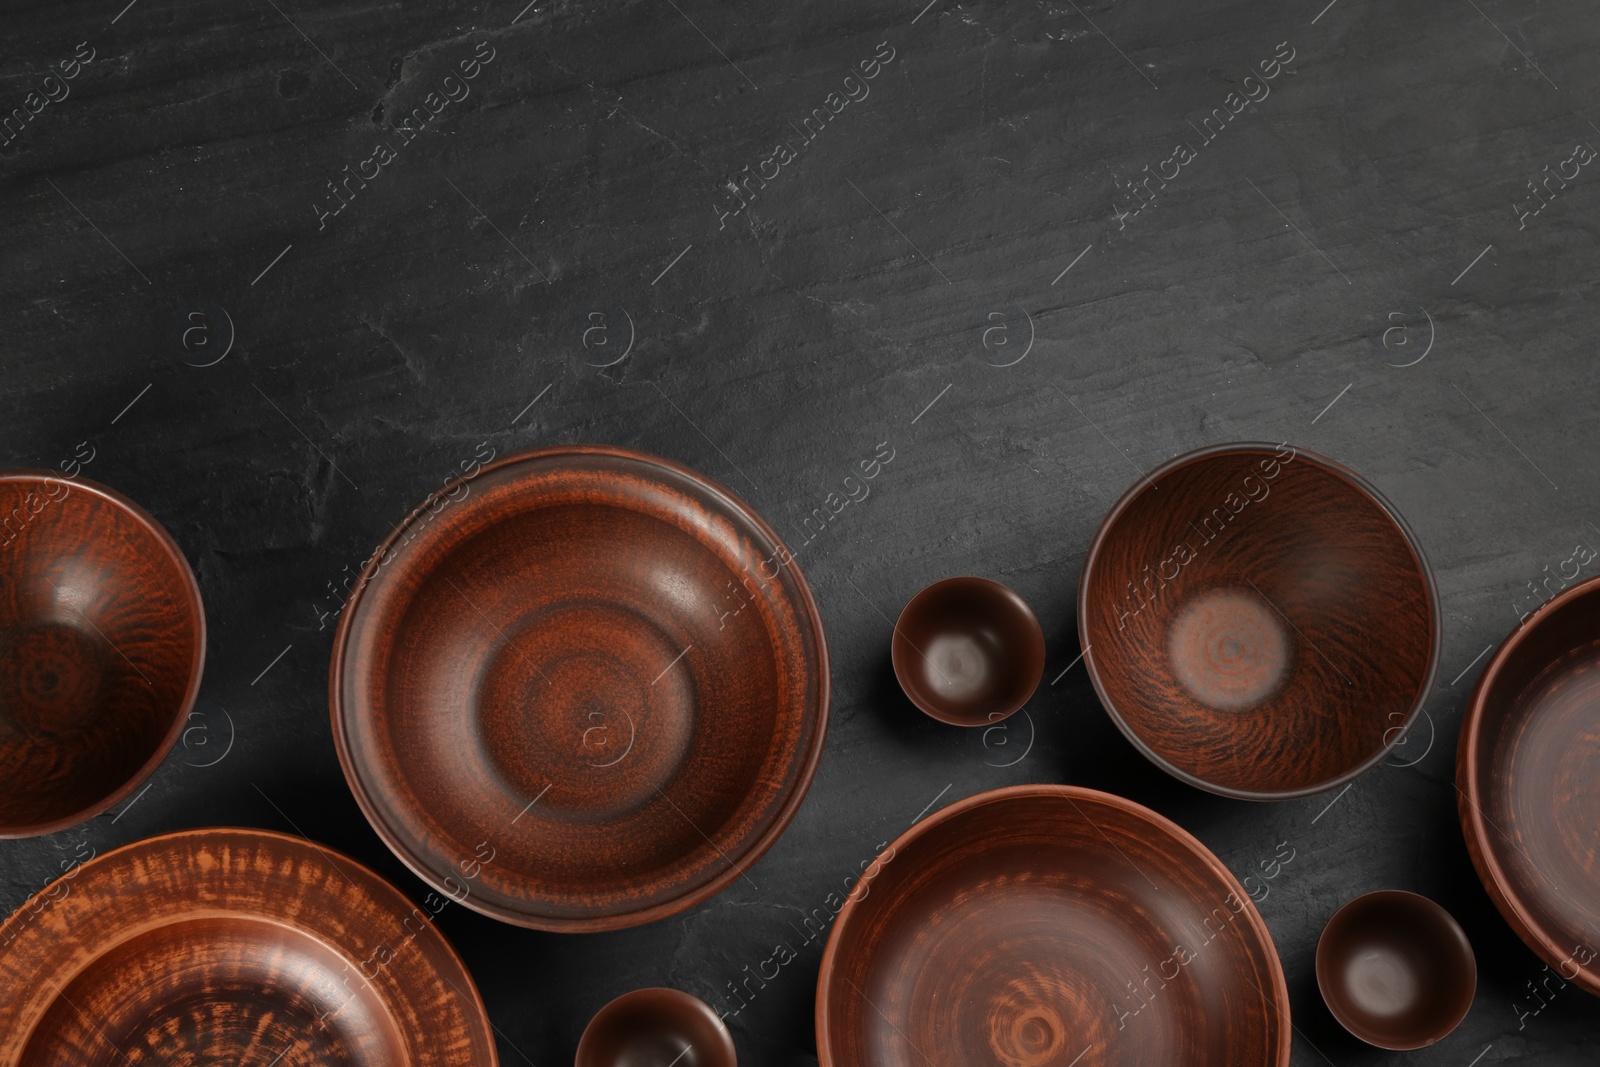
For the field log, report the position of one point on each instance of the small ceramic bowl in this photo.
(1396, 970)
(102, 639)
(968, 651)
(656, 1028)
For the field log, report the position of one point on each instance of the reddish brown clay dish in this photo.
(968, 651)
(232, 947)
(1396, 970)
(1528, 782)
(1050, 925)
(656, 1028)
(587, 693)
(1259, 621)
(102, 639)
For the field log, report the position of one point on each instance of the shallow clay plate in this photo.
(1528, 781)
(238, 947)
(584, 690)
(1259, 621)
(1046, 926)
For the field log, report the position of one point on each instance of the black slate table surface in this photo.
(278, 279)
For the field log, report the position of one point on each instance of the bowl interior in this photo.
(1532, 799)
(585, 692)
(232, 947)
(100, 644)
(1396, 970)
(1258, 621)
(221, 989)
(968, 651)
(1034, 924)
(651, 1027)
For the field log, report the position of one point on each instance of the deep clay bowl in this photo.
(656, 1028)
(232, 947)
(587, 692)
(1259, 621)
(1049, 925)
(1528, 782)
(1396, 970)
(968, 651)
(102, 639)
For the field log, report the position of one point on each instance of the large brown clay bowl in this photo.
(656, 1028)
(102, 638)
(1046, 926)
(584, 690)
(239, 947)
(968, 651)
(1259, 621)
(1396, 970)
(1528, 782)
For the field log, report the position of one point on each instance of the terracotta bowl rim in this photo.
(1449, 921)
(1279, 1000)
(196, 670)
(620, 920)
(333, 855)
(685, 1000)
(1337, 469)
(1005, 591)
(1469, 801)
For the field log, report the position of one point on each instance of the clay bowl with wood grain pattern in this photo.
(968, 651)
(1259, 621)
(1396, 970)
(239, 947)
(1528, 782)
(656, 1028)
(586, 691)
(102, 639)
(1050, 925)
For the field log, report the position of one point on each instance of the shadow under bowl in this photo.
(1259, 621)
(1527, 767)
(1396, 970)
(102, 641)
(656, 1028)
(968, 651)
(584, 689)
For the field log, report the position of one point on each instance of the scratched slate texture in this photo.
(952, 266)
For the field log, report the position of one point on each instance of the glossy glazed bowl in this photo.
(1049, 925)
(1528, 782)
(224, 946)
(968, 651)
(1259, 621)
(1396, 970)
(102, 640)
(586, 691)
(656, 1028)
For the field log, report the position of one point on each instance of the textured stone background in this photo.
(1361, 215)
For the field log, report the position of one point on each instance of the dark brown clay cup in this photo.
(1259, 621)
(1526, 769)
(656, 1028)
(1396, 970)
(102, 639)
(968, 651)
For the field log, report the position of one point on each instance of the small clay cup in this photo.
(656, 1028)
(968, 651)
(1396, 970)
